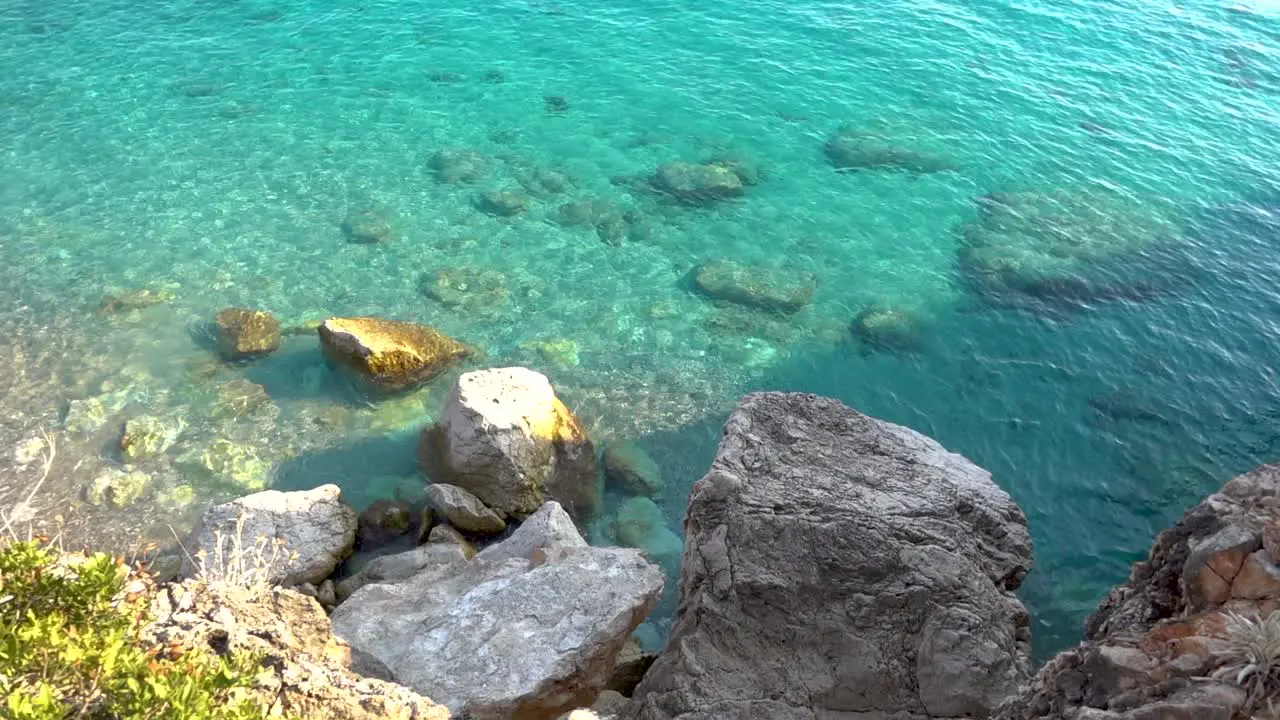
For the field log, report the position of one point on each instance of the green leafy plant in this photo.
(69, 647)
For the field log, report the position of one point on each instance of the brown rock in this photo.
(1258, 578)
(246, 333)
(388, 355)
(382, 522)
(305, 668)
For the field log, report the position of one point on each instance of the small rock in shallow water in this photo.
(502, 203)
(888, 328)
(128, 300)
(850, 149)
(444, 77)
(228, 462)
(764, 288)
(695, 184)
(240, 397)
(467, 288)
(542, 182)
(641, 524)
(559, 351)
(117, 488)
(367, 226)
(246, 333)
(459, 166)
(147, 435)
(464, 510)
(388, 354)
(494, 77)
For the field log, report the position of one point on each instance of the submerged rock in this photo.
(117, 488)
(758, 287)
(840, 565)
(852, 149)
(365, 225)
(244, 334)
(543, 182)
(1173, 640)
(1072, 245)
(630, 469)
(561, 352)
(555, 104)
(505, 437)
(888, 328)
(240, 397)
(527, 629)
(502, 203)
(388, 354)
(228, 462)
(129, 300)
(697, 184)
(459, 166)
(305, 671)
(382, 522)
(467, 288)
(284, 538)
(148, 435)
(464, 510)
(640, 524)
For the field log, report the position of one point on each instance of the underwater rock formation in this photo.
(243, 333)
(697, 184)
(505, 437)
(502, 203)
(117, 488)
(388, 355)
(148, 435)
(1174, 641)
(289, 538)
(1074, 245)
(467, 288)
(527, 629)
(888, 328)
(850, 149)
(839, 565)
(753, 286)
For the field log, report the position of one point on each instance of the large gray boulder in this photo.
(836, 565)
(531, 628)
(506, 438)
(284, 538)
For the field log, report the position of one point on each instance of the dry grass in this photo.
(253, 565)
(1250, 655)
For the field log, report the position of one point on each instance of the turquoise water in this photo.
(209, 151)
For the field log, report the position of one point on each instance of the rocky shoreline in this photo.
(834, 565)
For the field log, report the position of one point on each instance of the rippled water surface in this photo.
(1068, 214)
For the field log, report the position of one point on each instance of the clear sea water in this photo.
(209, 150)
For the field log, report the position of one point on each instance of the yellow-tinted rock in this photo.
(389, 354)
(246, 333)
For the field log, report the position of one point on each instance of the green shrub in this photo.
(69, 647)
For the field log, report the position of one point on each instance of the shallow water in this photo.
(209, 151)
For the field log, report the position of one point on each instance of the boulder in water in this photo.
(467, 288)
(697, 184)
(758, 287)
(888, 328)
(148, 435)
(506, 438)
(388, 355)
(244, 333)
(502, 203)
(630, 469)
(836, 565)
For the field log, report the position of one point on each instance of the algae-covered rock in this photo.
(128, 300)
(502, 203)
(759, 287)
(459, 166)
(177, 497)
(147, 435)
(117, 488)
(467, 288)
(557, 351)
(630, 469)
(697, 184)
(244, 333)
(88, 415)
(240, 397)
(388, 355)
(228, 462)
(367, 226)
(850, 148)
(1069, 243)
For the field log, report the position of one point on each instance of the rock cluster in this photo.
(1176, 639)
(840, 566)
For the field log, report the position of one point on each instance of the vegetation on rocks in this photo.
(69, 646)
